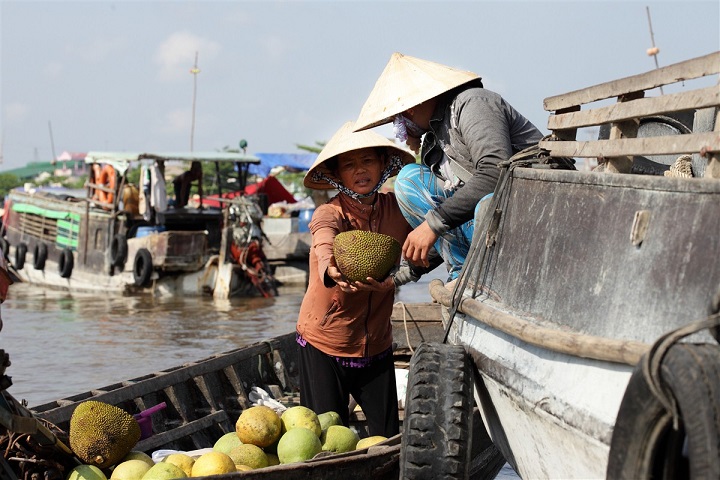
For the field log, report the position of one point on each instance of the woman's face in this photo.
(360, 170)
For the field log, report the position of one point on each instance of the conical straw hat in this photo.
(345, 140)
(405, 83)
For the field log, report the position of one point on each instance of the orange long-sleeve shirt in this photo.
(348, 324)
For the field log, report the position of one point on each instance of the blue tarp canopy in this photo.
(295, 161)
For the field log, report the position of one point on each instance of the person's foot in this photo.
(451, 284)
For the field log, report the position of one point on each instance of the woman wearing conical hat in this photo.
(344, 329)
(466, 130)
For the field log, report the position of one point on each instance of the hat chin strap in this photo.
(394, 164)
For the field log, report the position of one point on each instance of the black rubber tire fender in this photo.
(118, 250)
(437, 429)
(5, 247)
(644, 443)
(66, 262)
(142, 267)
(20, 255)
(39, 256)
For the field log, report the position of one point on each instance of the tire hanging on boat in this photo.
(5, 247)
(20, 254)
(645, 444)
(118, 250)
(39, 256)
(142, 267)
(66, 262)
(437, 429)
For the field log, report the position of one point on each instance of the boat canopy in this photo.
(295, 161)
(122, 160)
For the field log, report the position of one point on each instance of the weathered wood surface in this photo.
(689, 69)
(631, 108)
(702, 98)
(204, 399)
(416, 323)
(675, 144)
(571, 343)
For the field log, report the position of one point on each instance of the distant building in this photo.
(67, 164)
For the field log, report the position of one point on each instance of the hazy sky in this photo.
(115, 75)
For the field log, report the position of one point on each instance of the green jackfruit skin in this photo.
(102, 434)
(360, 254)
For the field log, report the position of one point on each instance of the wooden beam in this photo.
(666, 145)
(689, 69)
(703, 98)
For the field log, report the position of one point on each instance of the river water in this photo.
(61, 344)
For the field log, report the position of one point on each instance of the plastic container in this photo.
(145, 231)
(304, 217)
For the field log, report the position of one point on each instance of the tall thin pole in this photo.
(652, 51)
(52, 142)
(195, 70)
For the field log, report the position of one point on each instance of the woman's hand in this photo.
(340, 279)
(372, 285)
(369, 285)
(418, 244)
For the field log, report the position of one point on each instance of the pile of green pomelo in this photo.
(262, 438)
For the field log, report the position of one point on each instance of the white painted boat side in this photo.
(557, 411)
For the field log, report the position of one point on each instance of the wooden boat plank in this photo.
(188, 429)
(689, 69)
(702, 98)
(674, 144)
(160, 380)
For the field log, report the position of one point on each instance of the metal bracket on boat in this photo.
(639, 227)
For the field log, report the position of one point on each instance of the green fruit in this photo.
(137, 455)
(329, 418)
(360, 254)
(298, 445)
(250, 455)
(130, 470)
(227, 442)
(369, 441)
(299, 416)
(102, 434)
(183, 461)
(164, 471)
(86, 472)
(339, 439)
(258, 425)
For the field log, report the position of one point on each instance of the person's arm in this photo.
(324, 226)
(484, 126)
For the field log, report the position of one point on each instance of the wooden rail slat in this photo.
(702, 98)
(189, 428)
(671, 144)
(689, 69)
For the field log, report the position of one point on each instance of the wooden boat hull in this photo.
(563, 263)
(580, 286)
(182, 259)
(205, 398)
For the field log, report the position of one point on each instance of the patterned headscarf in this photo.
(393, 165)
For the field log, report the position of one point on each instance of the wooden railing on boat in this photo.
(624, 117)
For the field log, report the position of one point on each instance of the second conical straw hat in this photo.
(346, 140)
(405, 83)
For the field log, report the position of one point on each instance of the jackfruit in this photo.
(360, 254)
(102, 434)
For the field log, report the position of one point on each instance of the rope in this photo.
(531, 156)
(407, 335)
(627, 352)
(652, 362)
